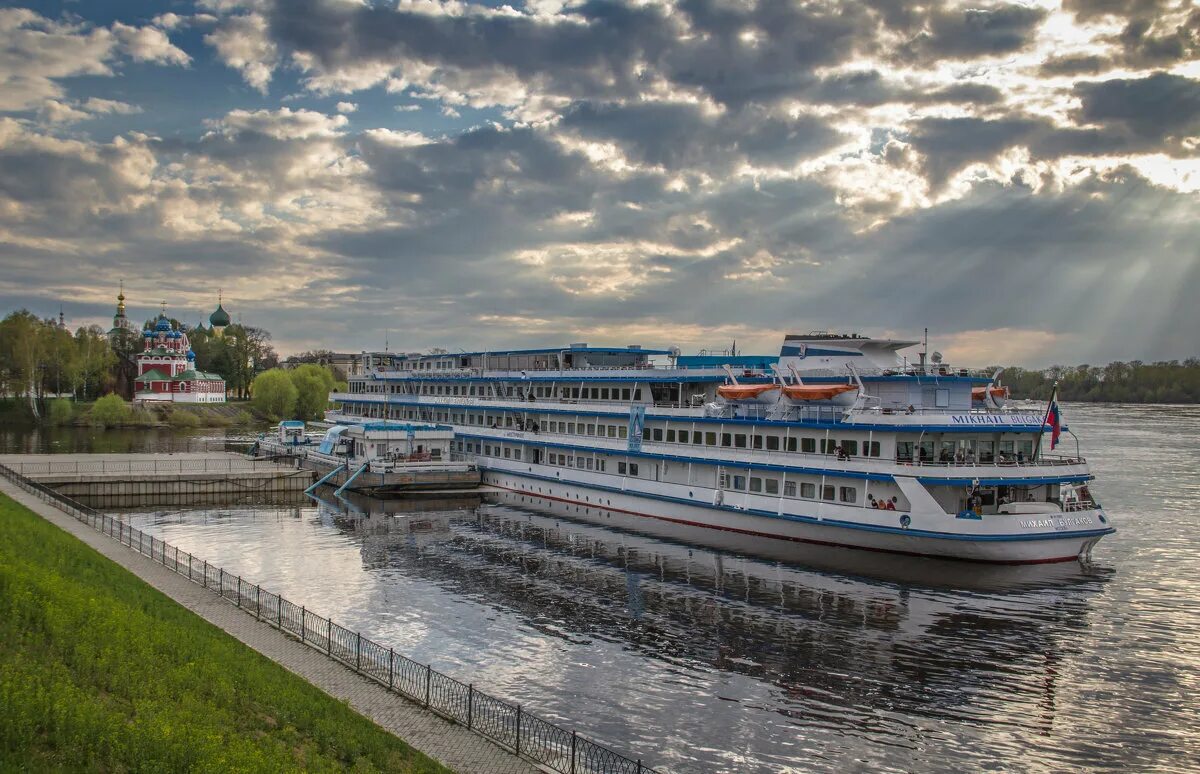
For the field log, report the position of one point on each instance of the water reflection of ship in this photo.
(833, 642)
(380, 523)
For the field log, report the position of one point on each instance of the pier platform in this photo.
(143, 477)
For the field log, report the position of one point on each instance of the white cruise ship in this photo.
(837, 440)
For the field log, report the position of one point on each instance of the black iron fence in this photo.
(527, 735)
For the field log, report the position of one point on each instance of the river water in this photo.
(704, 660)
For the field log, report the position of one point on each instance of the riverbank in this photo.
(101, 671)
(64, 412)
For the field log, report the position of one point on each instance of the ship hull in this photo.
(726, 527)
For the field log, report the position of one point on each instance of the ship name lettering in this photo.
(992, 419)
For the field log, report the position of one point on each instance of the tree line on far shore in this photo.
(1169, 381)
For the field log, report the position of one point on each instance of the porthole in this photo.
(905, 521)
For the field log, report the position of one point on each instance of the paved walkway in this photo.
(451, 744)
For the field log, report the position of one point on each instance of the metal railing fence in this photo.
(507, 724)
(175, 465)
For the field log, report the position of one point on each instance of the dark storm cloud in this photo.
(594, 57)
(1158, 108)
(960, 93)
(969, 33)
(948, 145)
(521, 168)
(679, 136)
(1075, 64)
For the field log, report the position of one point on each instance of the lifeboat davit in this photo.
(816, 391)
(759, 392)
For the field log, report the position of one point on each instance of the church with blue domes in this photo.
(166, 369)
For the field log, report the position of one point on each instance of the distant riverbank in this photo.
(1133, 382)
(63, 412)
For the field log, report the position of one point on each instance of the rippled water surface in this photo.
(699, 659)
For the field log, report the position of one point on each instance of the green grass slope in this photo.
(101, 672)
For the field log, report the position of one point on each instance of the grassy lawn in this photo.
(100, 672)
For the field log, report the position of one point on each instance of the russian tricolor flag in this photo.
(1054, 419)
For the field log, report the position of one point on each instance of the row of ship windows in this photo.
(505, 391)
(759, 484)
(846, 446)
(955, 450)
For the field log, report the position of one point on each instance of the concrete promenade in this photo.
(451, 744)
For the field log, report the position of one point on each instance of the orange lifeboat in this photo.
(745, 391)
(816, 391)
(981, 393)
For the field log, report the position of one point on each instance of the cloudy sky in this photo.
(1021, 177)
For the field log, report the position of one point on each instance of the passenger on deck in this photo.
(944, 456)
(911, 409)
(891, 504)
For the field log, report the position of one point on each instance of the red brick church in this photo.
(166, 369)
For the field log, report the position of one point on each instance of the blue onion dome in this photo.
(219, 318)
(163, 323)
(148, 333)
(191, 356)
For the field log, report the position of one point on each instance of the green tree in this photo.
(111, 411)
(274, 394)
(94, 361)
(60, 411)
(313, 385)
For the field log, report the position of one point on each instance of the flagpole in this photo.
(1042, 430)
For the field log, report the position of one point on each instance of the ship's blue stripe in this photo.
(540, 408)
(813, 520)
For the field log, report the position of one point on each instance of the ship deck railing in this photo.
(1042, 461)
(659, 370)
(763, 411)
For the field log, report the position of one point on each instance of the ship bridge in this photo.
(835, 351)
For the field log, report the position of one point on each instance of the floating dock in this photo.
(144, 478)
(379, 458)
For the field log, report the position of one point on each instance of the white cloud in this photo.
(149, 44)
(59, 112)
(242, 43)
(347, 107)
(98, 105)
(168, 21)
(395, 139)
(37, 51)
(282, 124)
